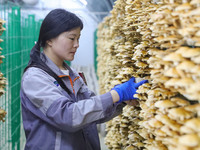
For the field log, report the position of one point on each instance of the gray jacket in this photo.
(56, 120)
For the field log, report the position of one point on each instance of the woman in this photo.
(59, 111)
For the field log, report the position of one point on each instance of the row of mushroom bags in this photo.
(2, 78)
(157, 40)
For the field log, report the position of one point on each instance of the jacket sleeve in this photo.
(114, 111)
(59, 110)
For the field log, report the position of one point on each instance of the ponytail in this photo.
(36, 61)
(34, 55)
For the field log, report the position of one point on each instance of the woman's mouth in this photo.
(73, 53)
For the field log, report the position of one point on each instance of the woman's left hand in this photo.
(132, 102)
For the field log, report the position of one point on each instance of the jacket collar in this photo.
(54, 67)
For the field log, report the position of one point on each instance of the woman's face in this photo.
(65, 45)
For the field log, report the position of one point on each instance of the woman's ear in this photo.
(49, 43)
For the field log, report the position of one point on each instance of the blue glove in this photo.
(127, 89)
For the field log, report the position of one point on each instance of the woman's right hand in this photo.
(126, 90)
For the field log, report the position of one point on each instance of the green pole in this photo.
(95, 50)
(32, 30)
(10, 35)
(15, 77)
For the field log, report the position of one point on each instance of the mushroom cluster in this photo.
(114, 53)
(164, 115)
(178, 70)
(2, 79)
(155, 40)
(124, 129)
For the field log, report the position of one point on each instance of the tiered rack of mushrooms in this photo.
(156, 40)
(2, 79)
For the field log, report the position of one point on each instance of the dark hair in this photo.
(57, 22)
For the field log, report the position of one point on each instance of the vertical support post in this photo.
(15, 76)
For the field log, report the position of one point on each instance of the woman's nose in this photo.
(76, 44)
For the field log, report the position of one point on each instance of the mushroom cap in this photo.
(180, 101)
(186, 66)
(190, 140)
(165, 104)
(172, 72)
(180, 113)
(194, 124)
(185, 6)
(188, 52)
(193, 2)
(173, 57)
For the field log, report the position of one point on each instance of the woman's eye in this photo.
(71, 39)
